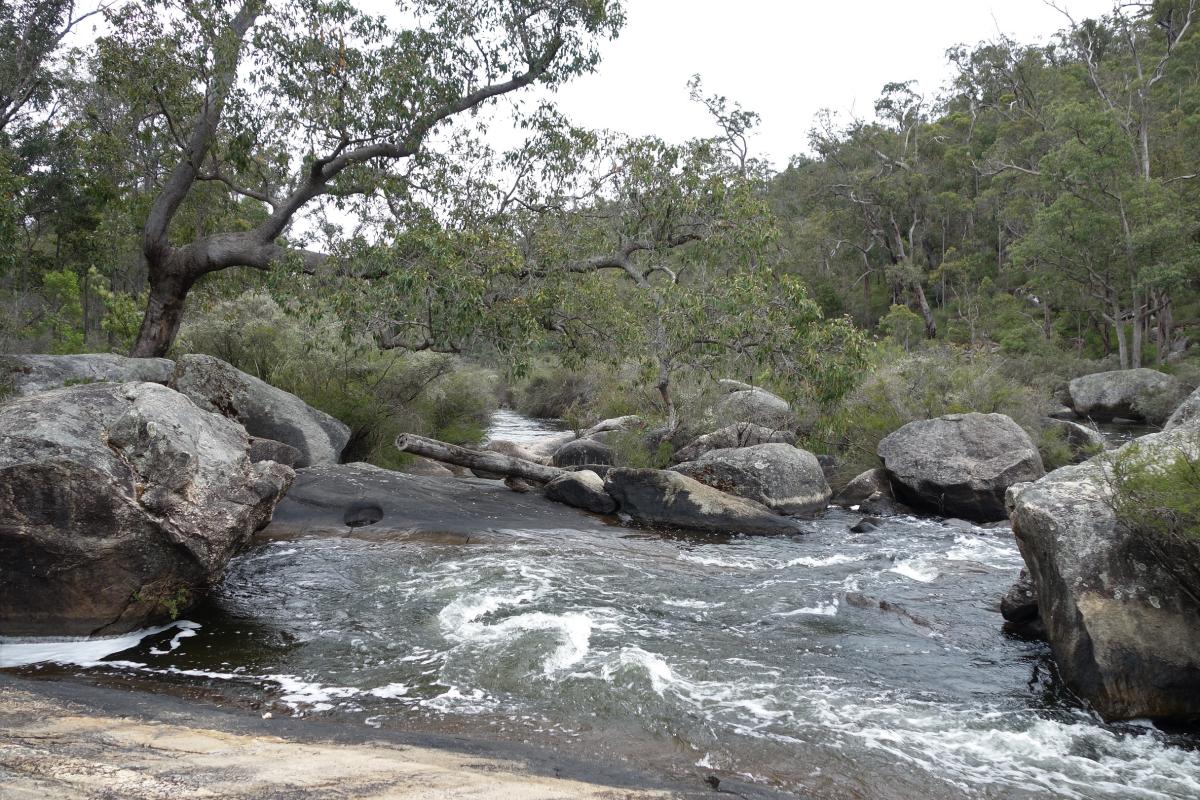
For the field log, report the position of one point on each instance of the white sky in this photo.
(787, 59)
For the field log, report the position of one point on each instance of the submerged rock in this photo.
(1137, 394)
(581, 489)
(661, 498)
(263, 409)
(1121, 609)
(29, 374)
(960, 464)
(118, 503)
(783, 478)
(742, 434)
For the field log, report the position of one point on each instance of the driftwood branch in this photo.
(483, 460)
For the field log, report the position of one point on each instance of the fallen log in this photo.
(483, 460)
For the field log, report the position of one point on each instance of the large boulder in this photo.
(30, 374)
(784, 478)
(863, 486)
(118, 502)
(582, 452)
(755, 405)
(1082, 440)
(665, 499)
(741, 434)
(1188, 412)
(1138, 394)
(1121, 609)
(581, 489)
(960, 465)
(262, 409)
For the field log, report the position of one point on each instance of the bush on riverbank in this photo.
(378, 393)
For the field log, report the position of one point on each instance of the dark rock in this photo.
(661, 498)
(743, 434)
(1019, 604)
(271, 450)
(857, 491)
(1137, 394)
(1121, 608)
(119, 504)
(782, 477)
(882, 505)
(960, 464)
(412, 506)
(264, 410)
(599, 469)
(866, 525)
(29, 374)
(582, 489)
(829, 466)
(581, 452)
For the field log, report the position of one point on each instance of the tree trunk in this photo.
(926, 312)
(1165, 325)
(482, 460)
(164, 312)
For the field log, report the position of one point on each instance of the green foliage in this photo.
(902, 326)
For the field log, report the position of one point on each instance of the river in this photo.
(829, 664)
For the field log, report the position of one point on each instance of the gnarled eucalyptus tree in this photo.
(295, 100)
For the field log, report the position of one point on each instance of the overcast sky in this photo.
(787, 59)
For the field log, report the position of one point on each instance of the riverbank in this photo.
(68, 740)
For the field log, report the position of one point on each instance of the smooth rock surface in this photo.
(665, 499)
(757, 406)
(118, 504)
(1121, 612)
(30, 374)
(741, 434)
(865, 484)
(262, 409)
(1126, 393)
(271, 450)
(960, 464)
(784, 478)
(581, 489)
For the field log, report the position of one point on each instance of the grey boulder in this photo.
(865, 484)
(1136, 394)
(264, 410)
(755, 405)
(1121, 609)
(118, 504)
(1187, 413)
(784, 478)
(741, 434)
(582, 452)
(581, 489)
(960, 464)
(30, 374)
(665, 499)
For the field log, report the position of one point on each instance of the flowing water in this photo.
(829, 664)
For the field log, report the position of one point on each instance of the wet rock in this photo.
(866, 484)
(262, 409)
(119, 504)
(582, 451)
(960, 464)
(1019, 604)
(884, 505)
(859, 600)
(271, 450)
(29, 374)
(413, 506)
(583, 489)
(959, 524)
(757, 406)
(782, 477)
(743, 434)
(866, 525)
(662, 498)
(1137, 394)
(1121, 608)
